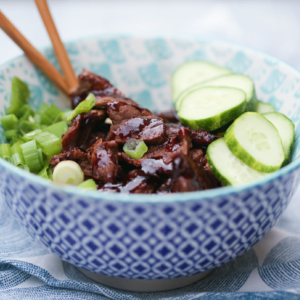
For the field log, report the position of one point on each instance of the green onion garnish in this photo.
(83, 107)
(43, 107)
(68, 113)
(44, 172)
(31, 156)
(68, 172)
(16, 139)
(17, 157)
(88, 185)
(9, 134)
(5, 151)
(135, 149)
(24, 112)
(20, 95)
(9, 122)
(51, 115)
(58, 129)
(50, 144)
(30, 135)
(41, 156)
(27, 126)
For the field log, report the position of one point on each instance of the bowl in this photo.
(151, 242)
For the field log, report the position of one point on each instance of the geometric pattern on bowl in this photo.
(151, 236)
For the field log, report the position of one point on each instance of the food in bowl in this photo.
(110, 143)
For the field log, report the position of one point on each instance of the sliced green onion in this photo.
(83, 107)
(50, 144)
(50, 173)
(43, 107)
(9, 134)
(58, 129)
(31, 156)
(41, 156)
(51, 115)
(20, 95)
(135, 149)
(88, 185)
(30, 135)
(27, 126)
(5, 151)
(37, 118)
(16, 139)
(9, 122)
(17, 157)
(68, 113)
(44, 172)
(68, 172)
(25, 112)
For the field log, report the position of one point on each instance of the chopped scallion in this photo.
(58, 129)
(68, 172)
(25, 112)
(41, 156)
(44, 172)
(5, 151)
(17, 157)
(27, 126)
(30, 135)
(9, 134)
(50, 144)
(20, 95)
(135, 149)
(31, 156)
(68, 113)
(51, 115)
(88, 185)
(43, 107)
(9, 122)
(83, 107)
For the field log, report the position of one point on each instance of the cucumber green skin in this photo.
(236, 149)
(250, 106)
(215, 122)
(213, 168)
(288, 156)
(195, 61)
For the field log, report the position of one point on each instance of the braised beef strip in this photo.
(174, 163)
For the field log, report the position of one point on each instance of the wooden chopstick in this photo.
(34, 55)
(57, 44)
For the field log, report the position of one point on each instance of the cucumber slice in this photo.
(228, 168)
(211, 107)
(286, 130)
(262, 107)
(241, 82)
(193, 72)
(255, 140)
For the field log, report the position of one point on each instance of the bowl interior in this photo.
(142, 68)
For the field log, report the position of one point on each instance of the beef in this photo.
(148, 129)
(196, 155)
(203, 137)
(82, 158)
(78, 134)
(169, 116)
(92, 83)
(105, 161)
(121, 109)
(178, 140)
(134, 182)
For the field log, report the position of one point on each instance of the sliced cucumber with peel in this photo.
(228, 168)
(210, 108)
(255, 140)
(193, 72)
(262, 107)
(232, 80)
(286, 130)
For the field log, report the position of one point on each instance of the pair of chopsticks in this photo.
(66, 83)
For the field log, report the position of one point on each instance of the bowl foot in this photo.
(143, 285)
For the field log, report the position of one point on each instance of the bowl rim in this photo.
(155, 198)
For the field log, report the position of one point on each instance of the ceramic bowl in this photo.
(151, 237)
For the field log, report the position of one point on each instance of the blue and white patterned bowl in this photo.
(151, 236)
